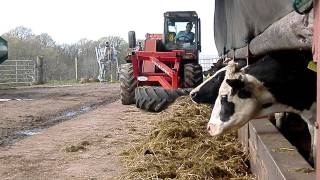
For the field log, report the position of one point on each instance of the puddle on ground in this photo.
(72, 114)
(15, 136)
(5, 100)
(23, 99)
(69, 114)
(85, 109)
(36, 129)
(29, 132)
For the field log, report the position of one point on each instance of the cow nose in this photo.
(193, 94)
(213, 129)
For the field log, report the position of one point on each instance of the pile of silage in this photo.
(179, 147)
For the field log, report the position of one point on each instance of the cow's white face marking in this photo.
(241, 97)
(230, 112)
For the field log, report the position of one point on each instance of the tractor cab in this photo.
(182, 31)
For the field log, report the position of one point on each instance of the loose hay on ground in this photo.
(79, 147)
(179, 147)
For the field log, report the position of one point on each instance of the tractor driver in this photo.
(186, 36)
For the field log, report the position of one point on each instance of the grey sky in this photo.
(67, 21)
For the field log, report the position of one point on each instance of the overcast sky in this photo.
(67, 21)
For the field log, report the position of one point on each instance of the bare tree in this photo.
(21, 32)
(59, 59)
(45, 40)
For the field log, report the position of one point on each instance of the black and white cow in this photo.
(276, 83)
(208, 90)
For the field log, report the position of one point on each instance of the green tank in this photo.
(3, 50)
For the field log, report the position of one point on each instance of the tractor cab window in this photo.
(183, 31)
(181, 35)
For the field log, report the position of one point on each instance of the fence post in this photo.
(16, 71)
(76, 67)
(111, 71)
(39, 70)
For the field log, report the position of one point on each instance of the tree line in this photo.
(59, 59)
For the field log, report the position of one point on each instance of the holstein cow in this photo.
(208, 90)
(276, 83)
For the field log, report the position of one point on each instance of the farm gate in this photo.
(17, 72)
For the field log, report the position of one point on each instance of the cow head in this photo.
(207, 91)
(241, 97)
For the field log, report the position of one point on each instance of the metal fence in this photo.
(24, 71)
(206, 63)
(17, 72)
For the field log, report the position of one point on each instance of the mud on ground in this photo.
(24, 110)
(85, 146)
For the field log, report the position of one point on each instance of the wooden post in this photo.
(76, 67)
(39, 70)
(16, 71)
(111, 71)
(316, 31)
(316, 58)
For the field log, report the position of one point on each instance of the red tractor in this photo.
(167, 66)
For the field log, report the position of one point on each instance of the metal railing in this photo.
(206, 63)
(17, 72)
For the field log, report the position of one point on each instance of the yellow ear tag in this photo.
(312, 66)
(171, 37)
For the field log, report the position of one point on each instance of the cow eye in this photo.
(224, 97)
(244, 94)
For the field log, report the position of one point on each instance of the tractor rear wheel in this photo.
(155, 99)
(192, 75)
(127, 84)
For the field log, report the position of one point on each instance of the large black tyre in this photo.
(192, 75)
(155, 99)
(127, 84)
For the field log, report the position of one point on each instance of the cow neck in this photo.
(287, 78)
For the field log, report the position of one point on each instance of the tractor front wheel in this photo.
(192, 75)
(127, 84)
(155, 99)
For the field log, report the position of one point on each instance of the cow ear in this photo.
(235, 83)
